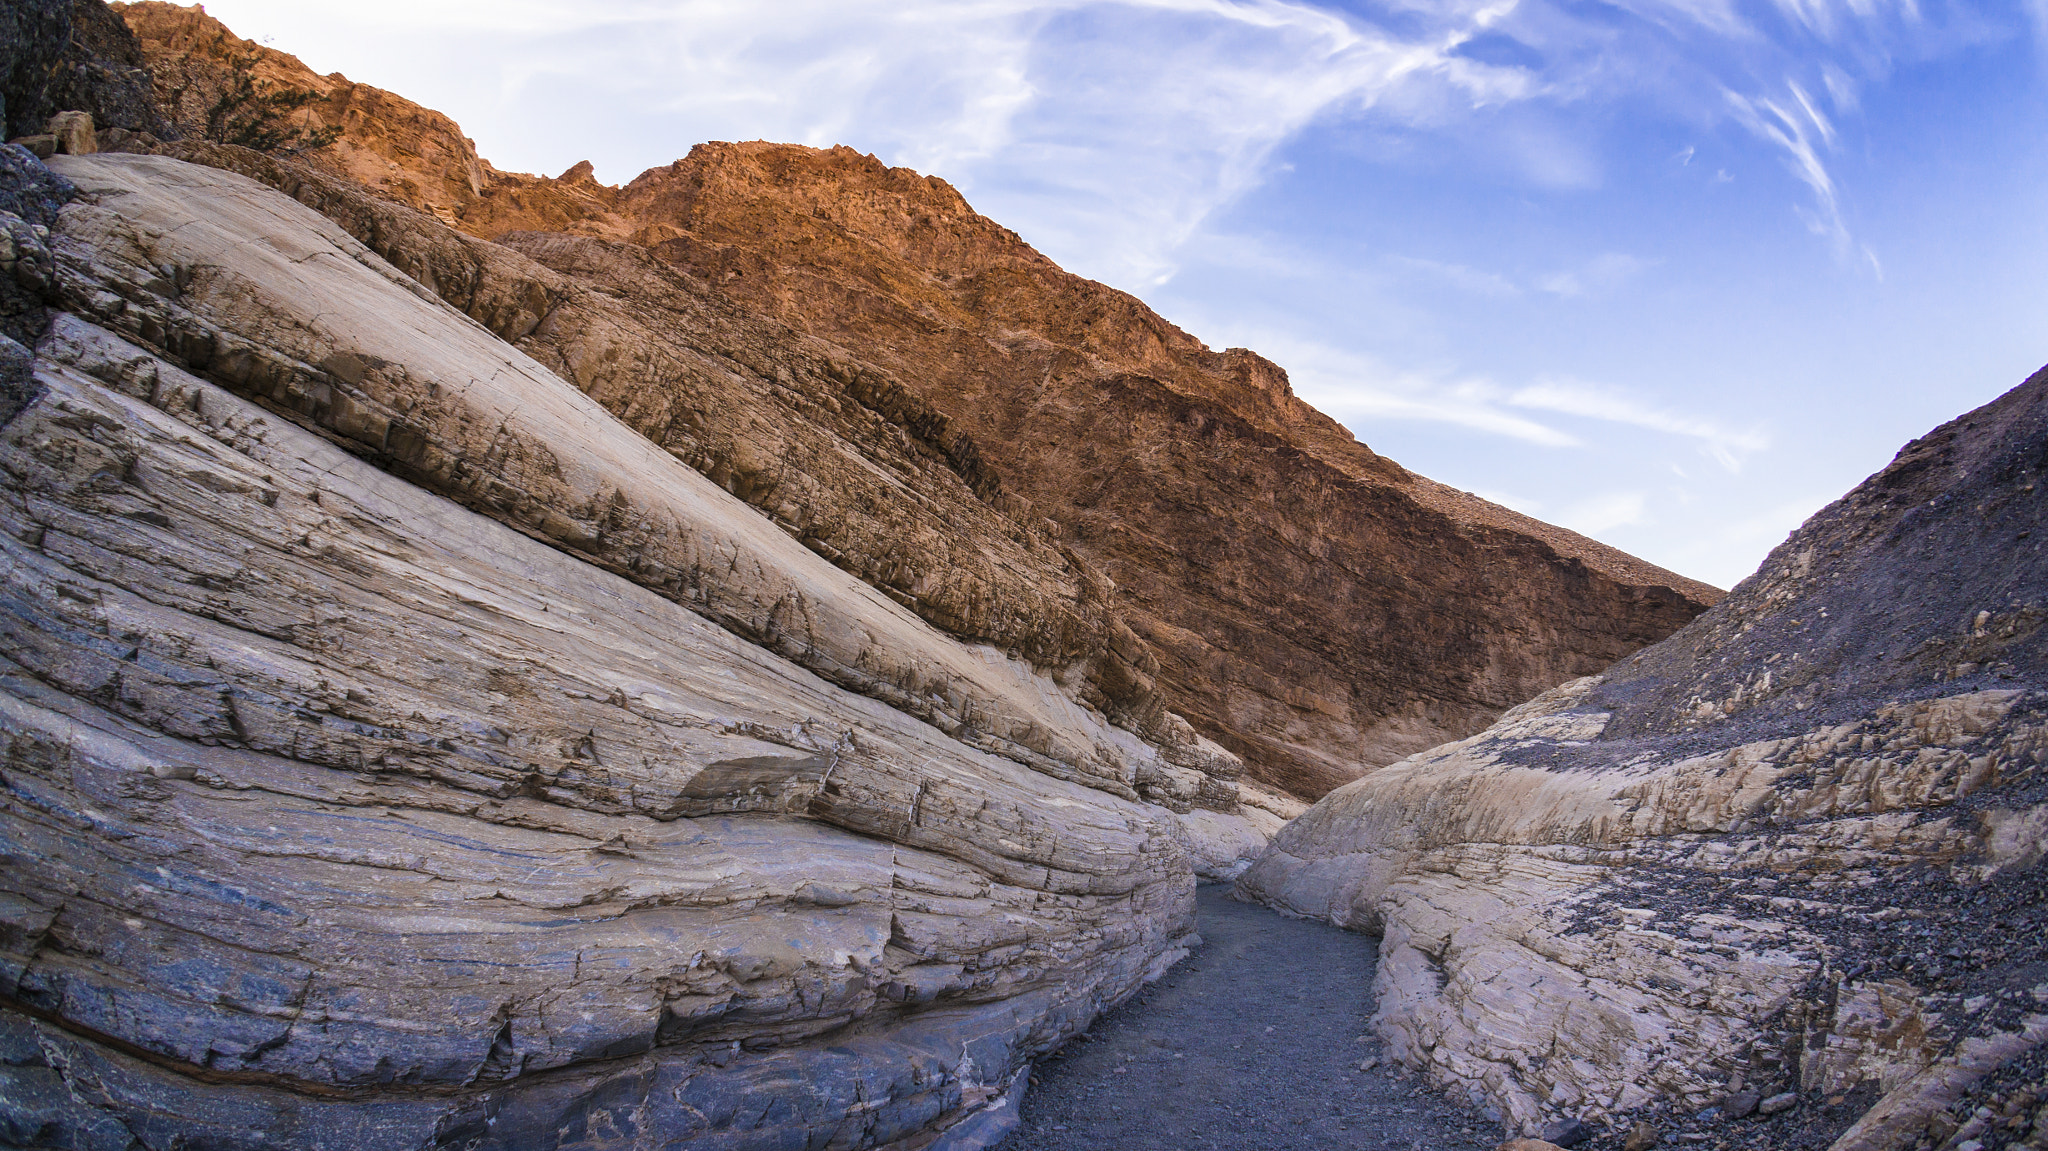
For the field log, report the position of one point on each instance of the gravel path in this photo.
(1251, 1044)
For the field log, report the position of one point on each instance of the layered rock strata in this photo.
(404, 752)
(1785, 865)
(832, 452)
(1305, 603)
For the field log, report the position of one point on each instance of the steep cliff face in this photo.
(402, 751)
(1313, 606)
(73, 54)
(1793, 853)
(1303, 602)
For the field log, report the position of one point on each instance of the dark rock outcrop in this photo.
(1783, 871)
(73, 55)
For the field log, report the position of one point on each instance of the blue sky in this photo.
(1673, 273)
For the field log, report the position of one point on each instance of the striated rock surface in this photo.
(403, 752)
(1781, 871)
(1304, 603)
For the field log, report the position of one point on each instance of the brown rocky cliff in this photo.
(389, 144)
(1310, 605)
(1315, 607)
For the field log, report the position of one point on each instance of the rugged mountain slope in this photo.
(1795, 850)
(529, 877)
(1303, 602)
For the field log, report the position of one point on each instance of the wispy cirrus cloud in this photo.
(1727, 446)
(1108, 131)
(1364, 392)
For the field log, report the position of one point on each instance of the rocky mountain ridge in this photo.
(1205, 493)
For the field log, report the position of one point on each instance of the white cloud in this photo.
(1726, 446)
(1799, 129)
(1474, 280)
(1109, 132)
(1359, 390)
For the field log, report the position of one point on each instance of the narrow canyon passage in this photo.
(1251, 1044)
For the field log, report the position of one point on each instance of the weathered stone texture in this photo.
(341, 814)
(1795, 848)
(72, 55)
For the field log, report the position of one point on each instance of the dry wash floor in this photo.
(1251, 1044)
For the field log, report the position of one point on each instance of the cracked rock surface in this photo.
(1774, 882)
(403, 752)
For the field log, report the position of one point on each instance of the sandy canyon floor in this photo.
(1252, 1043)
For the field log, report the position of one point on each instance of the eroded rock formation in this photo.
(498, 662)
(1786, 864)
(1305, 603)
(340, 813)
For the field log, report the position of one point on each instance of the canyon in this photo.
(1788, 856)
(758, 656)
(1191, 482)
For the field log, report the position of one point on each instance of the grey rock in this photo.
(1567, 1132)
(1684, 848)
(1776, 1104)
(74, 54)
(30, 197)
(345, 815)
(29, 189)
(33, 37)
(1741, 1105)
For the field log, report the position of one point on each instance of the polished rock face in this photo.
(1794, 848)
(1220, 550)
(401, 751)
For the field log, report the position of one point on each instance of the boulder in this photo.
(73, 133)
(1794, 849)
(402, 752)
(837, 455)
